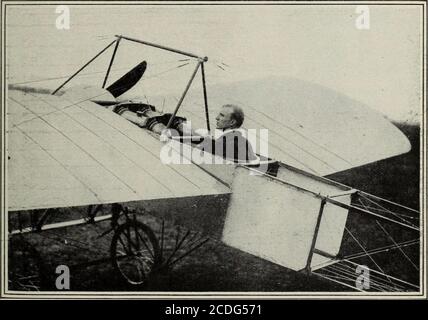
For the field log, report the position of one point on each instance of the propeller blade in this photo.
(128, 80)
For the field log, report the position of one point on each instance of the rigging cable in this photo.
(362, 247)
(393, 241)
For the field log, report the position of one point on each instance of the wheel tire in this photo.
(135, 252)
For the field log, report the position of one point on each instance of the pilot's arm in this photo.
(186, 130)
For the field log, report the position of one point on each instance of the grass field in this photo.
(214, 267)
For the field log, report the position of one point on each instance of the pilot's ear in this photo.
(233, 122)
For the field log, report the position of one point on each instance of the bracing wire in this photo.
(382, 249)
(97, 72)
(399, 248)
(388, 211)
(364, 249)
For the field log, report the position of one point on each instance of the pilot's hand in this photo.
(180, 126)
(185, 128)
(166, 134)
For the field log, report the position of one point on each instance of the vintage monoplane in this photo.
(86, 146)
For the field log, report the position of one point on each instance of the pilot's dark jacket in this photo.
(231, 145)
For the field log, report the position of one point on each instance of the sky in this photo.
(320, 44)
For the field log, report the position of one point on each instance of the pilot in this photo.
(229, 140)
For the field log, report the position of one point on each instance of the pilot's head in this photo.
(229, 117)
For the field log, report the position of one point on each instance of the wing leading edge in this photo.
(310, 127)
(70, 152)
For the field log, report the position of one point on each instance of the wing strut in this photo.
(201, 61)
(111, 62)
(87, 64)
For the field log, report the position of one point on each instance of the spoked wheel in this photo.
(135, 252)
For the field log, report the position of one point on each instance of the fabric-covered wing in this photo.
(310, 127)
(70, 152)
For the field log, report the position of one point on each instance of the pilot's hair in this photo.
(237, 114)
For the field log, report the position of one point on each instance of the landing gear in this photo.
(135, 252)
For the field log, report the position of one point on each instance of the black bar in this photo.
(205, 97)
(163, 48)
(183, 95)
(111, 62)
(324, 254)
(314, 239)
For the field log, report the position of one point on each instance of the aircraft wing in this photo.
(68, 151)
(310, 127)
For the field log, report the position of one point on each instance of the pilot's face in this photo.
(224, 119)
